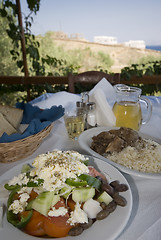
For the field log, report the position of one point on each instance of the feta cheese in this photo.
(25, 190)
(19, 205)
(55, 167)
(78, 216)
(39, 190)
(23, 198)
(16, 207)
(21, 179)
(57, 212)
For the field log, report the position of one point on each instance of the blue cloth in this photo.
(37, 119)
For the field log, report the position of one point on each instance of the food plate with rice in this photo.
(145, 161)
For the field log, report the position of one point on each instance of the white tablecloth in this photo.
(145, 220)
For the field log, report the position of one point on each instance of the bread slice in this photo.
(13, 115)
(5, 126)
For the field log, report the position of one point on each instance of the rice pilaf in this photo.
(146, 159)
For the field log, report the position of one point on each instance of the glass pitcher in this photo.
(127, 107)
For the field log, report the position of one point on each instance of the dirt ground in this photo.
(121, 55)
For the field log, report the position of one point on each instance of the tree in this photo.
(7, 65)
(36, 62)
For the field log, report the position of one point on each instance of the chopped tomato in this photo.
(93, 172)
(33, 195)
(16, 196)
(57, 226)
(39, 225)
(60, 203)
(35, 226)
(71, 204)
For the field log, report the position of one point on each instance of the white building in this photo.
(135, 44)
(109, 40)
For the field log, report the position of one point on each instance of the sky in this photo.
(124, 19)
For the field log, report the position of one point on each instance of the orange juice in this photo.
(128, 114)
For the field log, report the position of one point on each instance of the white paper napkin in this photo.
(100, 95)
(107, 89)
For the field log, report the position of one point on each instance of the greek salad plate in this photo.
(106, 229)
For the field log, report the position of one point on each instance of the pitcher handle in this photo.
(148, 107)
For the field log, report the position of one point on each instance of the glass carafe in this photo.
(127, 107)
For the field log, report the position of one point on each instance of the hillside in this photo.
(121, 55)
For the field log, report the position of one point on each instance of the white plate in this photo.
(107, 229)
(85, 140)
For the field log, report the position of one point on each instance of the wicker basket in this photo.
(13, 151)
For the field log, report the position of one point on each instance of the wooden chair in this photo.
(91, 77)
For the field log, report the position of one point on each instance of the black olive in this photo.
(102, 214)
(87, 225)
(120, 200)
(106, 187)
(75, 231)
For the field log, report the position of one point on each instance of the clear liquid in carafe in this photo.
(128, 114)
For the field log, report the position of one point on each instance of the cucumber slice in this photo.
(56, 198)
(65, 191)
(83, 194)
(105, 197)
(44, 202)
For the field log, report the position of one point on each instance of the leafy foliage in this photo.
(54, 61)
(108, 62)
(34, 5)
(7, 65)
(139, 70)
(36, 63)
(150, 68)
